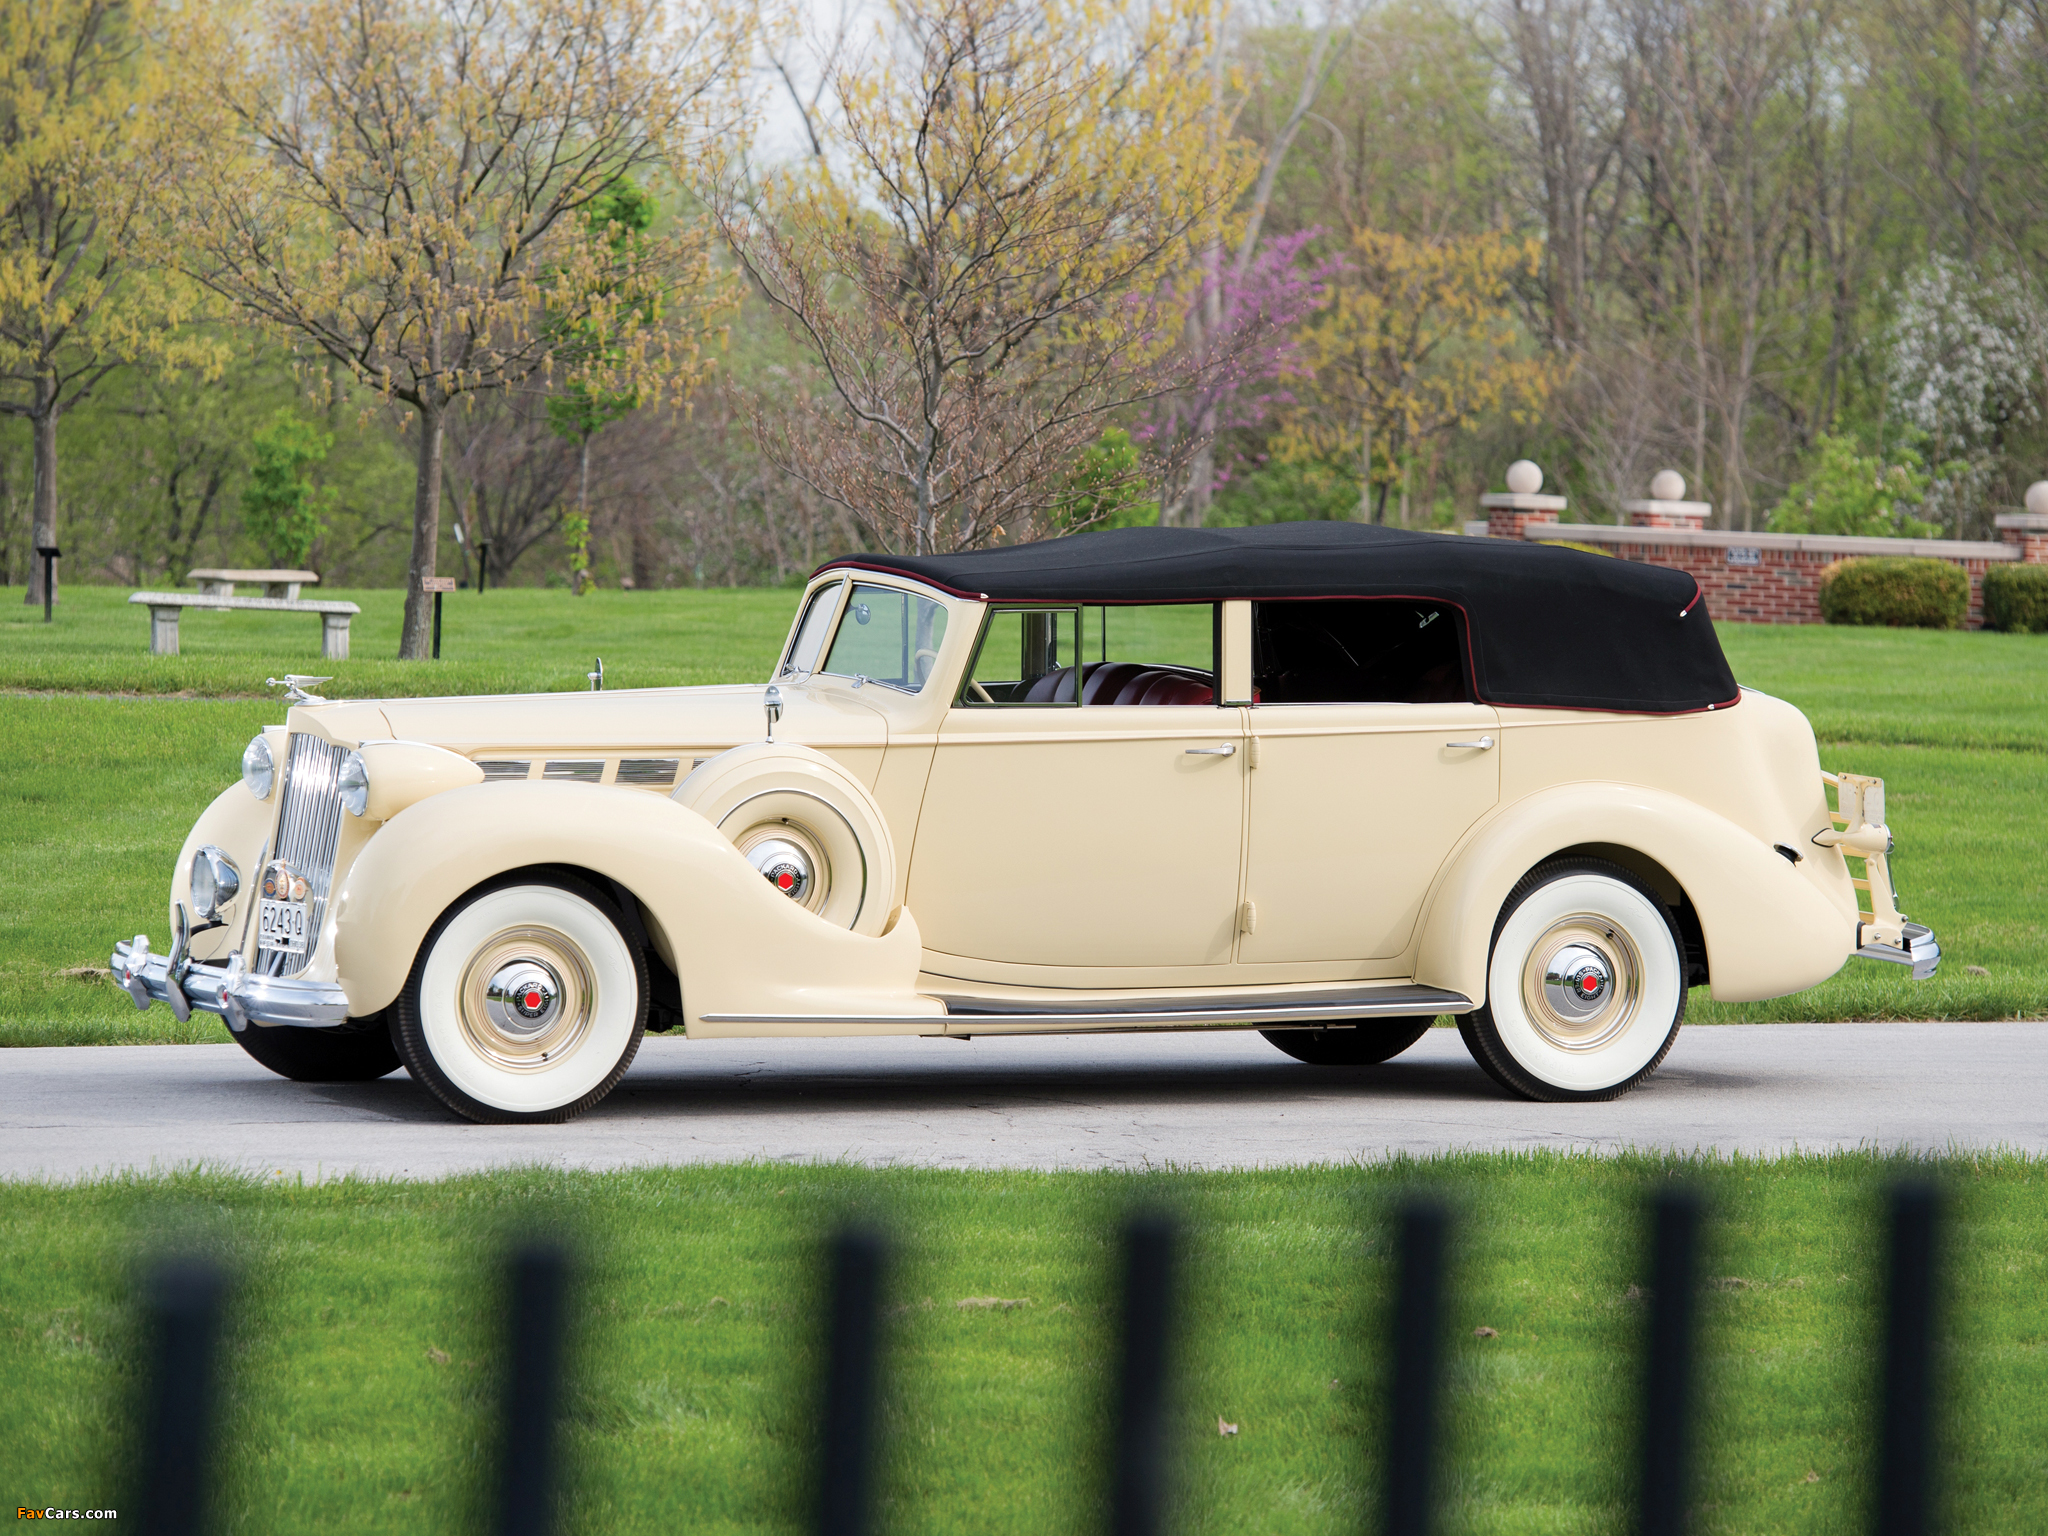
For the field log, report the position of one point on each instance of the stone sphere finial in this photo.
(1668, 486)
(2037, 498)
(1524, 478)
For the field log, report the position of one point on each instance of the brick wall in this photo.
(1764, 578)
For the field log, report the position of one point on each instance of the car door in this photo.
(1097, 835)
(1370, 763)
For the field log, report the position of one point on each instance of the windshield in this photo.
(810, 635)
(888, 636)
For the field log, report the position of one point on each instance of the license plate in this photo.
(282, 925)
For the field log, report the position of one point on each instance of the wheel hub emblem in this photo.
(1578, 980)
(523, 996)
(783, 865)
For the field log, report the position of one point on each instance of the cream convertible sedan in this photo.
(1321, 780)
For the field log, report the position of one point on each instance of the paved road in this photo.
(1211, 1101)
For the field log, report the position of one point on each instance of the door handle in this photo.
(1223, 751)
(1483, 744)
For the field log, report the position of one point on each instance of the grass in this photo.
(366, 1329)
(511, 640)
(1957, 724)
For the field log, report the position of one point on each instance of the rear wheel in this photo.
(1351, 1045)
(347, 1055)
(1585, 987)
(526, 1003)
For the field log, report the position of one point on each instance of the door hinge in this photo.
(1248, 917)
(1252, 751)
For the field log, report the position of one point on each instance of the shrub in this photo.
(1910, 594)
(2016, 598)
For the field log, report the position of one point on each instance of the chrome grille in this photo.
(308, 827)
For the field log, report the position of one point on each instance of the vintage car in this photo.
(1323, 780)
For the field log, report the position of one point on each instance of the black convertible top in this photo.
(1549, 627)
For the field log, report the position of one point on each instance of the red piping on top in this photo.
(1698, 592)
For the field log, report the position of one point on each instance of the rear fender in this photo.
(739, 946)
(1769, 928)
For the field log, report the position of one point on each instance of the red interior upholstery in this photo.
(1119, 682)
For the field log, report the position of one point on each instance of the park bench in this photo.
(165, 607)
(221, 583)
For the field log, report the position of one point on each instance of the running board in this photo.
(1303, 1008)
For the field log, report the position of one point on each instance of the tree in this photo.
(406, 187)
(1851, 493)
(620, 216)
(1418, 337)
(281, 507)
(974, 262)
(81, 130)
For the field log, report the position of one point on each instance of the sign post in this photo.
(49, 553)
(483, 565)
(440, 586)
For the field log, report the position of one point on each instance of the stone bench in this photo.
(165, 607)
(221, 583)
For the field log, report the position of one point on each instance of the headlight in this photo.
(215, 881)
(354, 785)
(258, 771)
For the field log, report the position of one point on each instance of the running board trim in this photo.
(1307, 1008)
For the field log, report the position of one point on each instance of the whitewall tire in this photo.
(1585, 984)
(526, 1002)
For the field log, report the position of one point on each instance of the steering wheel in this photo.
(921, 664)
(980, 692)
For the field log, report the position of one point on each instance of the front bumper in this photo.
(1916, 947)
(237, 995)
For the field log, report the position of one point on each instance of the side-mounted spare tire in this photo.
(810, 827)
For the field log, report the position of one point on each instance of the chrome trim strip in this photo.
(1921, 952)
(1407, 1003)
(221, 990)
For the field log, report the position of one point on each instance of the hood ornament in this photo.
(298, 688)
(772, 703)
(596, 679)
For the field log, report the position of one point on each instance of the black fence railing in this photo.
(186, 1299)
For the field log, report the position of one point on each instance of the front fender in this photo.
(1770, 928)
(739, 946)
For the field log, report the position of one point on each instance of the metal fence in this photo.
(186, 1299)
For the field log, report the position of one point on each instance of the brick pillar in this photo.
(1667, 506)
(2028, 531)
(1507, 514)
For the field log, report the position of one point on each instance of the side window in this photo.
(1101, 654)
(888, 636)
(810, 634)
(1359, 651)
(1026, 656)
(1149, 653)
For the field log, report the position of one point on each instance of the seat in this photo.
(1172, 688)
(1054, 688)
(1106, 679)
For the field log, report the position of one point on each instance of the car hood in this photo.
(694, 722)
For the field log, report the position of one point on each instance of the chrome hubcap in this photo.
(527, 999)
(1582, 983)
(783, 865)
(523, 998)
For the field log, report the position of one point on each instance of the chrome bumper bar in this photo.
(237, 995)
(1918, 949)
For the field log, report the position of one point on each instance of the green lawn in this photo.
(518, 639)
(366, 1331)
(87, 852)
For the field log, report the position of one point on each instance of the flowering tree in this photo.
(407, 187)
(976, 261)
(81, 134)
(1966, 361)
(1418, 337)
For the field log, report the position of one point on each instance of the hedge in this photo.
(1912, 594)
(2016, 598)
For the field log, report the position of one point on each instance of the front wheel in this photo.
(1364, 1044)
(1585, 987)
(526, 1003)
